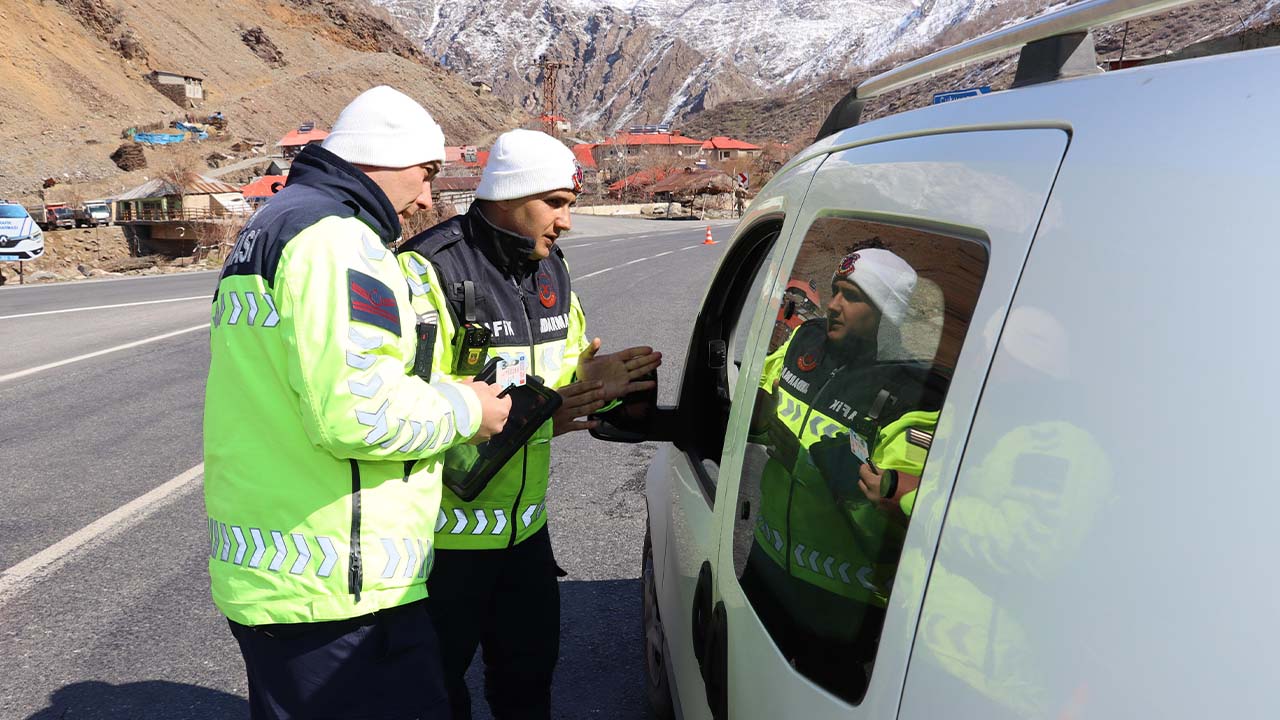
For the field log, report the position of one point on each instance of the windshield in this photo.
(12, 211)
(64, 212)
(96, 208)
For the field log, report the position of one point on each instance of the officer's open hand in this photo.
(579, 400)
(493, 410)
(619, 372)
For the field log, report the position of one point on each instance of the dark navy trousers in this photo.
(507, 602)
(382, 666)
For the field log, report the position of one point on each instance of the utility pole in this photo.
(549, 109)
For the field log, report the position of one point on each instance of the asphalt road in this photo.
(104, 602)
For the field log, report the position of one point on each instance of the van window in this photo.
(711, 373)
(864, 345)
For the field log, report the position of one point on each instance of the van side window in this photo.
(864, 345)
(715, 351)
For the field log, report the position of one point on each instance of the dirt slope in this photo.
(73, 78)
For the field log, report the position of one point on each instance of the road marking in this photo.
(665, 253)
(692, 247)
(78, 358)
(584, 277)
(21, 576)
(105, 307)
(633, 262)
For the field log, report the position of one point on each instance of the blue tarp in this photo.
(159, 138)
(168, 138)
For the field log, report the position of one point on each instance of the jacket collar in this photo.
(507, 251)
(342, 182)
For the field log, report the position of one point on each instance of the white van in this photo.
(1078, 350)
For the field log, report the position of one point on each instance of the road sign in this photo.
(960, 94)
(743, 179)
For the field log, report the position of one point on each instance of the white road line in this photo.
(106, 307)
(618, 239)
(598, 272)
(615, 267)
(23, 574)
(78, 358)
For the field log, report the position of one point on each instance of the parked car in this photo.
(20, 237)
(1069, 384)
(92, 214)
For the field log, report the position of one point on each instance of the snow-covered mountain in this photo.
(650, 61)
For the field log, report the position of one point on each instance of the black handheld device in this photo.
(468, 469)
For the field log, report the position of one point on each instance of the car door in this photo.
(816, 587)
(683, 480)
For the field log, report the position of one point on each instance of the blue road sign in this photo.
(960, 94)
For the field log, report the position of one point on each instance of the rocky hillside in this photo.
(1211, 27)
(73, 73)
(620, 69)
(650, 61)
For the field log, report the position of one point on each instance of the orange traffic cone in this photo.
(708, 241)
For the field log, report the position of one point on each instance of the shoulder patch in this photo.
(919, 438)
(372, 302)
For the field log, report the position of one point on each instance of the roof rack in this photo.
(1053, 46)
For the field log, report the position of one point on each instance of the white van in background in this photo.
(1066, 403)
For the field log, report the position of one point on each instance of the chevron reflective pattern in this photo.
(299, 553)
(231, 307)
(477, 521)
(813, 559)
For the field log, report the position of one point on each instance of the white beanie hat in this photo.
(528, 162)
(384, 127)
(886, 279)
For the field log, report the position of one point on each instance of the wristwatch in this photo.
(888, 484)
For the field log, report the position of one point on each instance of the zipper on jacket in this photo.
(524, 452)
(355, 572)
(791, 486)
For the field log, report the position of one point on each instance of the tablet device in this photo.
(469, 468)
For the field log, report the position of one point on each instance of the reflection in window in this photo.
(864, 345)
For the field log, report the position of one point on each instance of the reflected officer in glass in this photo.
(846, 436)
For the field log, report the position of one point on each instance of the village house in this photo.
(629, 145)
(293, 142)
(458, 192)
(261, 190)
(464, 159)
(186, 91)
(720, 149)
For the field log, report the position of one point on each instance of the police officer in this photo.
(322, 469)
(822, 561)
(495, 274)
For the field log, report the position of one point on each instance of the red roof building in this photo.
(625, 145)
(293, 142)
(583, 154)
(726, 148)
(468, 156)
(263, 188)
